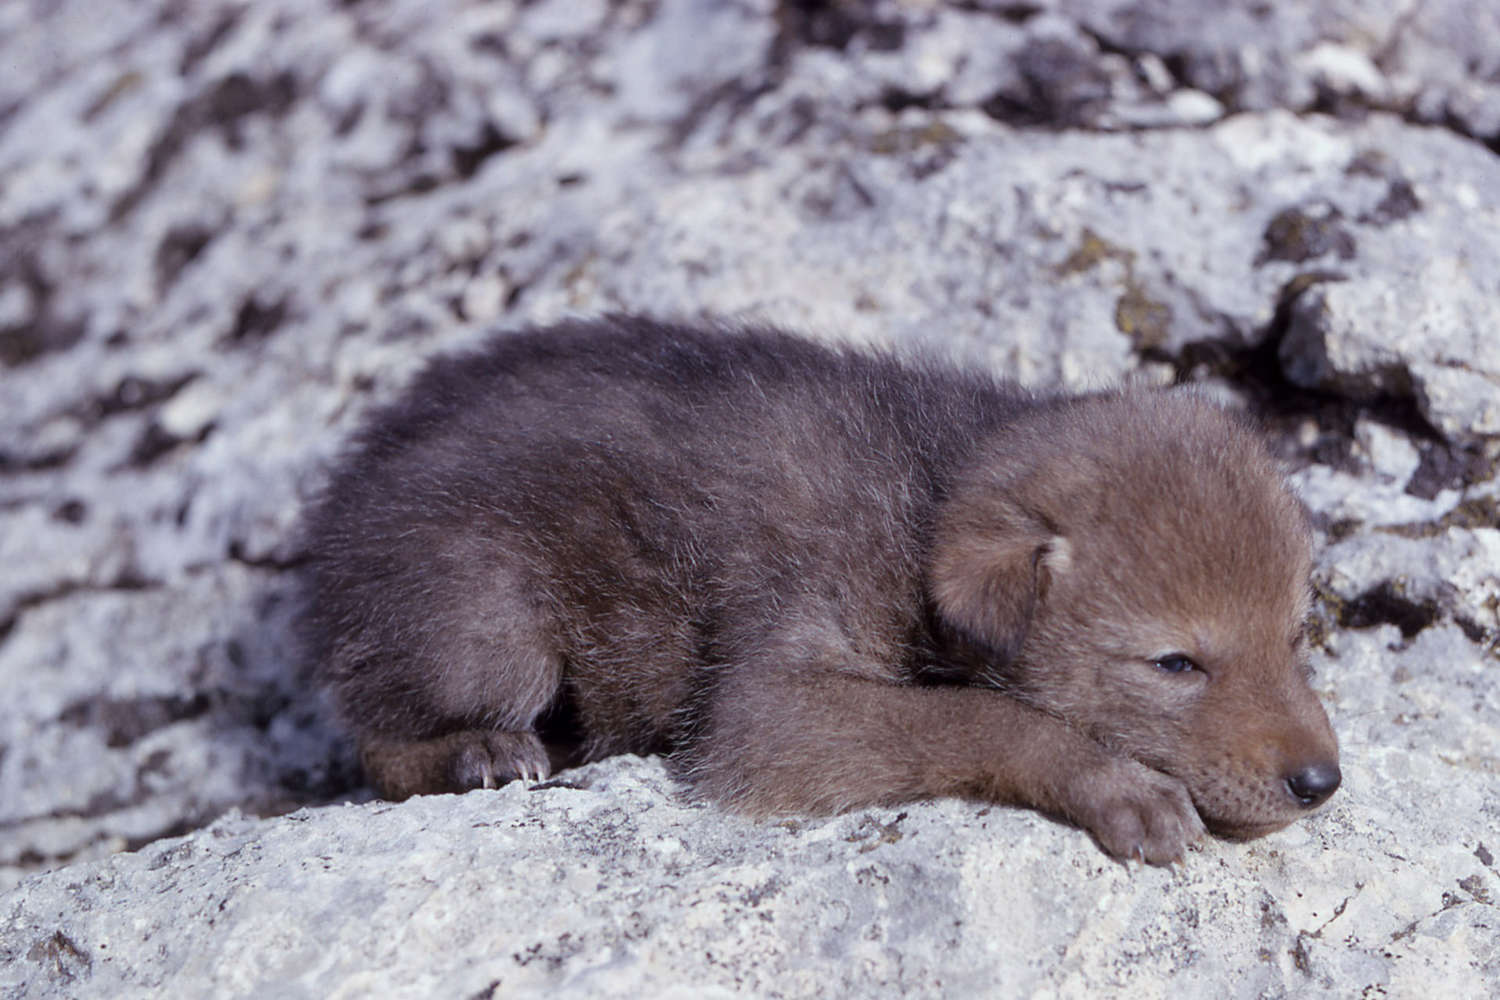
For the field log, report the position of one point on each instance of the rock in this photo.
(607, 882)
(227, 231)
(1391, 455)
(1418, 331)
(1344, 71)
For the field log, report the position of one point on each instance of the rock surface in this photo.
(227, 230)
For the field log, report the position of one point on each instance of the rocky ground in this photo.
(229, 229)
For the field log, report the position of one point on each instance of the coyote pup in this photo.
(821, 578)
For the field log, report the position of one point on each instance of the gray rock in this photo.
(607, 883)
(226, 231)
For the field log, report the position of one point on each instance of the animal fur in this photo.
(821, 578)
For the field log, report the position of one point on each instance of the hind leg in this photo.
(444, 676)
(457, 762)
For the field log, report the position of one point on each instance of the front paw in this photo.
(1134, 812)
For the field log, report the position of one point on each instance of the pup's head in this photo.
(1134, 564)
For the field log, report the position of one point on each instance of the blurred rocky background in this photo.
(229, 229)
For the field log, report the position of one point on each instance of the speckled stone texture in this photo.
(228, 230)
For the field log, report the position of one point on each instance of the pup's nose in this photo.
(1313, 784)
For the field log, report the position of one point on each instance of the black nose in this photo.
(1313, 784)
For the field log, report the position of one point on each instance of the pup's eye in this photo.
(1175, 663)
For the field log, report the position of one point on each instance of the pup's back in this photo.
(634, 500)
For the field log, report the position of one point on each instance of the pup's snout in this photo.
(1311, 785)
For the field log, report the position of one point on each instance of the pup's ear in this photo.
(988, 578)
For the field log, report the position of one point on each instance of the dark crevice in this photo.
(737, 96)
(177, 828)
(179, 248)
(223, 105)
(835, 24)
(1303, 232)
(1474, 631)
(1063, 87)
(421, 183)
(491, 43)
(1400, 202)
(1108, 46)
(1385, 605)
(133, 393)
(1344, 105)
(199, 47)
(468, 159)
(126, 720)
(1179, 68)
(8, 112)
(127, 581)
(156, 441)
(45, 330)
(236, 553)
(13, 464)
(1452, 123)
(254, 320)
(1284, 406)
(336, 779)
(896, 99)
(72, 511)
(1012, 13)
(1453, 465)
(349, 118)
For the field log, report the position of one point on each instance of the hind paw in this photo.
(474, 758)
(489, 760)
